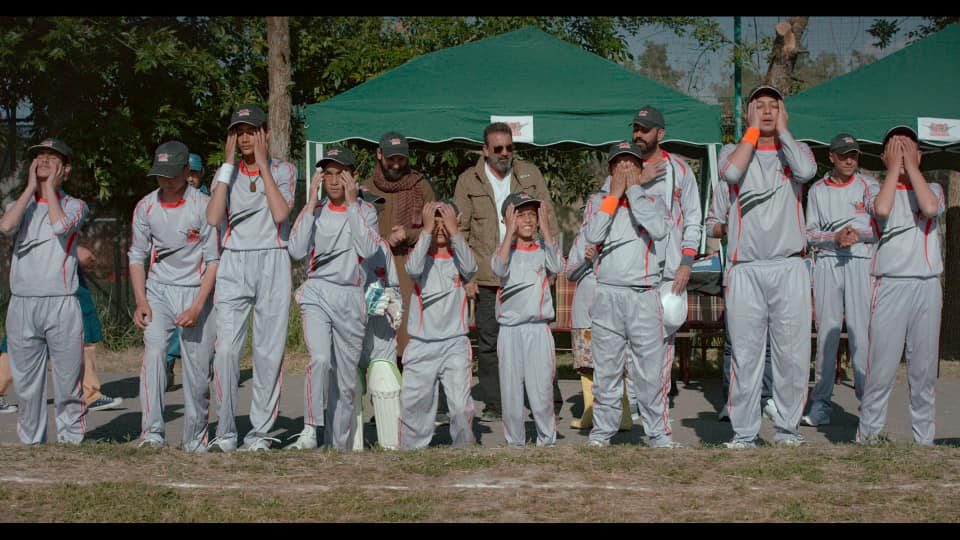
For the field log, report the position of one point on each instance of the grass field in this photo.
(838, 483)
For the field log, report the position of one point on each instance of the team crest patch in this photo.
(859, 208)
(642, 113)
(163, 158)
(676, 193)
(193, 236)
(848, 140)
(333, 152)
(47, 142)
(624, 145)
(243, 112)
(394, 141)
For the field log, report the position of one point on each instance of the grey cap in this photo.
(764, 89)
(624, 147)
(51, 143)
(901, 130)
(517, 199)
(248, 114)
(649, 117)
(843, 143)
(169, 159)
(394, 144)
(339, 154)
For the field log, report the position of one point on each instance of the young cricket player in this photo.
(907, 297)
(44, 317)
(524, 309)
(841, 231)
(336, 232)
(439, 350)
(629, 223)
(255, 195)
(170, 228)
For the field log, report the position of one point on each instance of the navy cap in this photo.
(169, 159)
(649, 117)
(843, 143)
(394, 144)
(51, 143)
(248, 114)
(624, 147)
(517, 199)
(339, 154)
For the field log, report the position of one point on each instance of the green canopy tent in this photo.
(554, 93)
(917, 86)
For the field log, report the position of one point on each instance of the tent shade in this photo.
(919, 81)
(574, 97)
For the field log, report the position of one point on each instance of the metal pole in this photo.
(737, 90)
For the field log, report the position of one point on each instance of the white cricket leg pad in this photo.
(357, 434)
(384, 384)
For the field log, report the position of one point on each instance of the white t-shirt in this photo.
(501, 188)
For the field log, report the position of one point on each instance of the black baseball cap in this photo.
(394, 144)
(649, 117)
(169, 159)
(624, 147)
(248, 114)
(517, 199)
(764, 89)
(843, 143)
(56, 145)
(901, 130)
(339, 154)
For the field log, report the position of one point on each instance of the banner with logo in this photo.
(522, 126)
(938, 129)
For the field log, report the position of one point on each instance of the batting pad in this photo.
(383, 382)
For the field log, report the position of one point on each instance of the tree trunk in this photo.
(786, 50)
(949, 337)
(278, 42)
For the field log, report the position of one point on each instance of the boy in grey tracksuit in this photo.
(254, 195)
(907, 297)
(43, 317)
(439, 350)
(170, 227)
(336, 233)
(630, 225)
(524, 309)
(768, 284)
(841, 231)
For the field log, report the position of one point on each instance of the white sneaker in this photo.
(221, 444)
(105, 403)
(739, 445)
(598, 444)
(665, 443)
(151, 444)
(7, 408)
(791, 441)
(259, 445)
(770, 410)
(306, 440)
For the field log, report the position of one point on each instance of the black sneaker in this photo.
(490, 415)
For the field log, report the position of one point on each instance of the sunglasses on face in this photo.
(499, 149)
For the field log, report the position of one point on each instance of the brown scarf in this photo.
(409, 207)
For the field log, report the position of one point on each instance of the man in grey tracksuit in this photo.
(840, 230)
(170, 228)
(43, 317)
(336, 233)
(524, 309)
(682, 197)
(255, 196)
(439, 350)
(630, 224)
(768, 284)
(907, 297)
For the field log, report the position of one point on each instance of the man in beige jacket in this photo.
(479, 194)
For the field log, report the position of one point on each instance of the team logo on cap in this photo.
(624, 145)
(243, 112)
(162, 158)
(333, 152)
(848, 140)
(643, 113)
(48, 142)
(395, 141)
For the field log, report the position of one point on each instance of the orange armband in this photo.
(609, 205)
(751, 136)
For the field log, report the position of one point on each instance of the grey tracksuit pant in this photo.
(904, 320)
(427, 365)
(41, 328)
(260, 279)
(841, 289)
(627, 320)
(768, 298)
(167, 302)
(527, 362)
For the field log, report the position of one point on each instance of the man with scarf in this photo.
(405, 191)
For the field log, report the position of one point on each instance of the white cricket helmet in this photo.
(674, 308)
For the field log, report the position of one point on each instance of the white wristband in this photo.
(224, 173)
